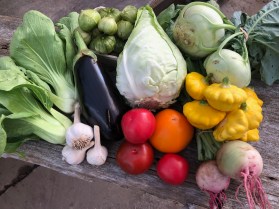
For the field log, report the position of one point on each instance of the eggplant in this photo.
(101, 103)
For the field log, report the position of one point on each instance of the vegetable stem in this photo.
(228, 39)
(77, 113)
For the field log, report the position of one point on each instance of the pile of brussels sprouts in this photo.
(105, 30)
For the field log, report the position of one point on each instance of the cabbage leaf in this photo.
(150, 69)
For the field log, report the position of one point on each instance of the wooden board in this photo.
(48, 155)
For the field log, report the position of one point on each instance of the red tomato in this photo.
(138, 125)
(173, 169)
(134, 158)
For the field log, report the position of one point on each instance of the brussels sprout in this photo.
(124, 29)
(129, 13)
(85, 36)
(110, 12)
(103, 44)
(88, 19)
(107, 25)
(119, 45)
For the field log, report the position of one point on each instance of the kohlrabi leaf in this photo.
(36, 47)
(167, 17)
(263, 31)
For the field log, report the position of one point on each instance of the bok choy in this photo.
(36, 46)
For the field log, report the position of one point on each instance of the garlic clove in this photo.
(98, 154)
(73, 156)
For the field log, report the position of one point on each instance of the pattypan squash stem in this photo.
(225, 82)
(243, 106)
(208, 78)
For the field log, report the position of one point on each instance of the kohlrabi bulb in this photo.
(199, 29)
(227, 63)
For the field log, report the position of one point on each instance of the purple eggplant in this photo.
(101, 103)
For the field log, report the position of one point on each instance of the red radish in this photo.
(211, 180)
(138, 125)
(239, 160)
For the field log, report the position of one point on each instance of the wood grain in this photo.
(48, 155)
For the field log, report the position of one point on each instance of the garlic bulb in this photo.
(98, 154)
(79, 134)
(73, 156)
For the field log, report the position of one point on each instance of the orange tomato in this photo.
(172, 133)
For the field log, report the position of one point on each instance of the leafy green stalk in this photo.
(263, 40)
(28, 117)
(36, 47)
(206, 144)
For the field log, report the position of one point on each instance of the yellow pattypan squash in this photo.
(201, 115)
(224, 96)
(253, 112)
(251, 136)
(233, 127)
(251, 93)
(195, 84)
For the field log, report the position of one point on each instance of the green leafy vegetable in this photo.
(167, 17)
(150, 69)
(263, 42)
(36, 47)
(29, 117)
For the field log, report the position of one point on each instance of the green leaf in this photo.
(263, 43)
(70, 49)
(70, 21)
(36, 47)
(12, 77)
(3, 136)
(167, 18)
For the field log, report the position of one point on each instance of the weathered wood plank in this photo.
(59, 8)
(7, 27)
(49, 155)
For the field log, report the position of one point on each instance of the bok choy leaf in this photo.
(36, 47)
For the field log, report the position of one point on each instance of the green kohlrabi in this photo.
(200, 28)
(36, 47)
(150, 69)
(228, 63)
